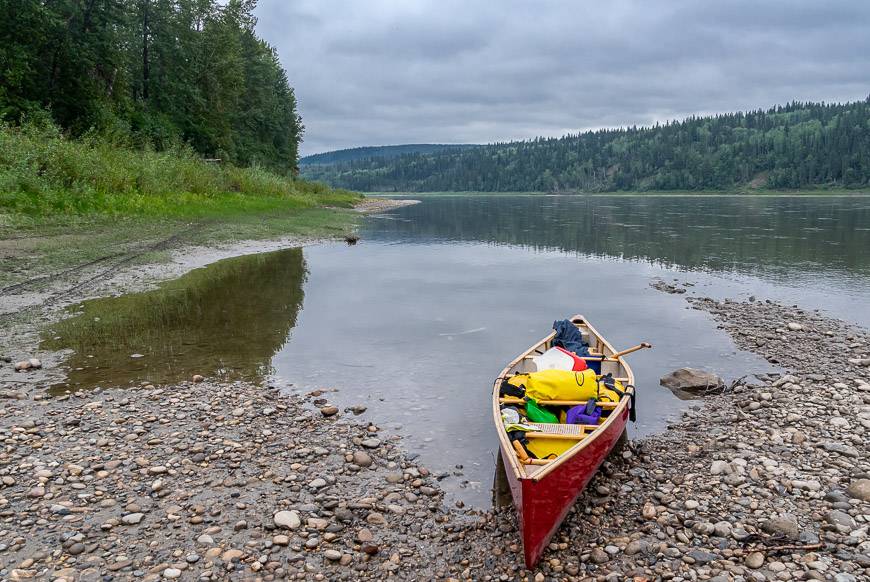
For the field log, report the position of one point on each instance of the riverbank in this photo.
(738, 461)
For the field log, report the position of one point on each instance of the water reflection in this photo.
(743, 233)
(226, 320)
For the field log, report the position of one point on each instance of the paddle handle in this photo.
(639, 346)
(615, 357)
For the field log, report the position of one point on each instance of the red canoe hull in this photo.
(542, 505)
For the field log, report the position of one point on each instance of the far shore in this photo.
(734, 193)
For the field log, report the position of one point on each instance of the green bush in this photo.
(43, 173)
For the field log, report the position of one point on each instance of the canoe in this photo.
(544, 490)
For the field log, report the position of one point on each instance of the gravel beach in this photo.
(207, 481)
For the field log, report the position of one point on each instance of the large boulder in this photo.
(688, 383)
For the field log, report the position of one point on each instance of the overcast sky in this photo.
(379, 72)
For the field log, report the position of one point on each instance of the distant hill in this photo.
(386, 152)
(799, 145)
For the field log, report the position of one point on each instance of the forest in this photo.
(794, 146)
(150, 74)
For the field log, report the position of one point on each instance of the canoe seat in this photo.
(560, 431)
(553, 428)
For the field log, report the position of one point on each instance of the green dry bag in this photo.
(537, 414)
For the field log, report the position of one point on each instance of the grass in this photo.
(44, 175)
(64, 202)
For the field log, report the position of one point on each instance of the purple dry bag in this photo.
(584, 413)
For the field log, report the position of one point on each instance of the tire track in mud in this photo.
(10, 289)
(111, 270)
(125, 259)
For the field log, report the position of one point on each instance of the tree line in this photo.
(151, 73)
(793, 146)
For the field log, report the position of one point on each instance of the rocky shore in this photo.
(769, 480)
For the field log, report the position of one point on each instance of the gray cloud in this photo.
(378, 72)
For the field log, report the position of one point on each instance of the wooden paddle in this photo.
(521, 452)
(525, 459)
(615, 357)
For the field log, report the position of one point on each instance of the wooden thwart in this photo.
(557, 402)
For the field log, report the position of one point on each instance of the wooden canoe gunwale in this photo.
(513, 463)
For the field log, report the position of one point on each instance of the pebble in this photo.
(649, 511)
(755, 560)
(362, 458)
(376, 518)
(784, 525)
(232, 554)
(599, 556)
(859, 489)
(288, 519)
(132, 518)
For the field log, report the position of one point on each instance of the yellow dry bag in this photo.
(564, 385)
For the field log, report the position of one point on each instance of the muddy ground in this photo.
(202, 480)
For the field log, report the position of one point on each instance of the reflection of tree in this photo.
(227, 319)
(720, 233)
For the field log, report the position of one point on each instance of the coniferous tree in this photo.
(152, 71)
(798, 145)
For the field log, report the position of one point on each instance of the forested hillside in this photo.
(392, 151)
(799, 145)
(151, 73)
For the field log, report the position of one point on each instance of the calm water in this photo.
(416, 320)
